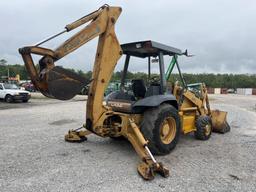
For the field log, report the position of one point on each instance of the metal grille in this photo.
(23, 94)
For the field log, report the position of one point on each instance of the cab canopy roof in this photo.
(148, 48)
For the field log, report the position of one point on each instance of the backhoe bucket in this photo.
(64, 84)
(219, 121)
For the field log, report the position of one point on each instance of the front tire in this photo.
(8, 99)
(161, 127)
(203, 128)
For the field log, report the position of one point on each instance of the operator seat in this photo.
(121, 101)
(139, 88)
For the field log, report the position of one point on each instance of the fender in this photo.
(154, 101)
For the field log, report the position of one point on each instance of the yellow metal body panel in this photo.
(191, 107)
(188, 123)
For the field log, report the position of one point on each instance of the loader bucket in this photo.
(219, 121)
(64, 84)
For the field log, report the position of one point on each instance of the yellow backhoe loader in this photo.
(151, 116)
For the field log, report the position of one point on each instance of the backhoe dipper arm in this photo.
(50, 55)
(56, 82)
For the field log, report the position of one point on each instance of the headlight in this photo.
(16, 93)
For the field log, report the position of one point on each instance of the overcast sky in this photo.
(222, 34)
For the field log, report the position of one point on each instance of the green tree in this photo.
(3, 62)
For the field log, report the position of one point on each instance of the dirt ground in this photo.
(34, 156)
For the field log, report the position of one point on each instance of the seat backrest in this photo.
(153, 90)
(138, 88)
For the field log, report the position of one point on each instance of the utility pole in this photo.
(8, 72)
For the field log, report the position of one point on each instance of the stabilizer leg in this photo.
(149, 166)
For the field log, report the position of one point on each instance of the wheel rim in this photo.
(8, 99)
(168, 130)
(208, 129)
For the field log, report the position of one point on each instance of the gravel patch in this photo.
(35, 157)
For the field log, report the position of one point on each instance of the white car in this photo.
(10, 92)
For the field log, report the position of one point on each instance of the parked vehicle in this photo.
(11, 92)
(28, 86)
(231, 91)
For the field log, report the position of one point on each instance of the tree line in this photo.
(210, 79)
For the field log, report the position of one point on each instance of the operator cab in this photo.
(140, 91)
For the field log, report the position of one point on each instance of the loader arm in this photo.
(56, 82)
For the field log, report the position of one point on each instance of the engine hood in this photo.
(16, 91)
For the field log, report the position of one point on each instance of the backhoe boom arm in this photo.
(56, 82)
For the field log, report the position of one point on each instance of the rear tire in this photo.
(203, 128)
(153, 124)
(8, 99)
